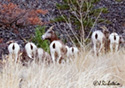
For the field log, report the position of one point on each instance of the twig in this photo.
(23, 39)
(93, 26)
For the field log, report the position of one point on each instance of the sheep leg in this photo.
(16, 58)
(116, 48)
(100, 48)
(53, 57)
(111, 48)
(59, 59)
(11, 56)
(95, 51)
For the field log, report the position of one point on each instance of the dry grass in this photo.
(79, 73)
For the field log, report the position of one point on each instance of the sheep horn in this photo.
(51, 27)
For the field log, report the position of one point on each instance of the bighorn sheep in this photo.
(100, 40)
(43, 56)
(68, 54)
(14, 50)
(106, 39)
(57, 49)
(121, 41)
(114, 41)
(31, 50)
(29, 53)
(74, 51)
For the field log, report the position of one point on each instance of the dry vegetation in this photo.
(81, 72)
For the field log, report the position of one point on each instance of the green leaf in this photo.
(88, 11)
(118, 0)
(39, 31)
(104, 10)
(58, 19)
(94, 1)
(62, 7)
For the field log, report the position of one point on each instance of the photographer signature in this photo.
(106, 83)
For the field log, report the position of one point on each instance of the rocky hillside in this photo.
(116, 16)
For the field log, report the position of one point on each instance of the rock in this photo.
(116, 15)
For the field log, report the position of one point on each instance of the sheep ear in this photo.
(51, 27)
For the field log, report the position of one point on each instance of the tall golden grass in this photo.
(80, 72)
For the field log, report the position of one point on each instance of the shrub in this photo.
(80, 15)
(11, 16)
(39, 31)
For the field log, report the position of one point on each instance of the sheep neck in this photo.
(53, 38)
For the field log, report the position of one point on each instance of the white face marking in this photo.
(46, 35)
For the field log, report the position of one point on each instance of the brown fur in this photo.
(56, 55)
(106, 44)
(106, 39)
(25, 59)
(53, 37)
(45, 58)
(63, 49)
(48, 58)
